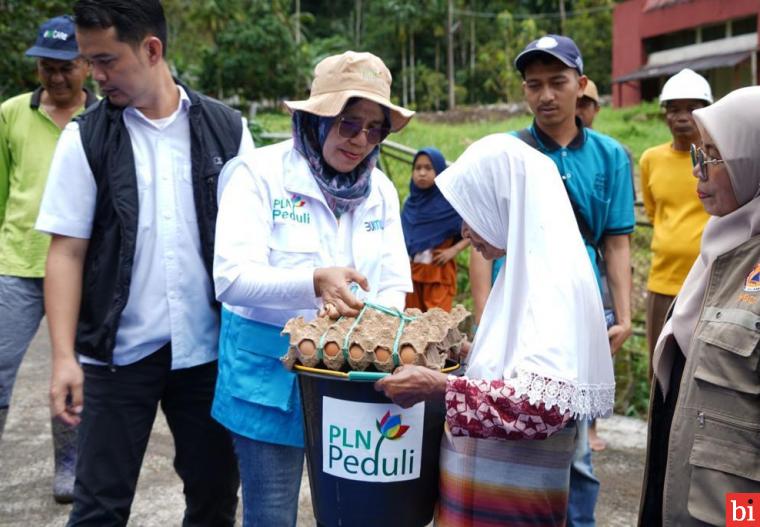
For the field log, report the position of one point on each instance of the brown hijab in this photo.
(734, 124)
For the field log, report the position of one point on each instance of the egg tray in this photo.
(379, 338)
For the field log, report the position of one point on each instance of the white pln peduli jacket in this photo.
(274, 229)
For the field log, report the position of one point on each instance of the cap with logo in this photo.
(55, 40)
(559, 47)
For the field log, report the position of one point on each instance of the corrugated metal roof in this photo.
(651, 5)
(699, 64)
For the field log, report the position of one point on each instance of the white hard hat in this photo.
(686, 84)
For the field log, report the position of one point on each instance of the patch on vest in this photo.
(752, 283)
(290, 210)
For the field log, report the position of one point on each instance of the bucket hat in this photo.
(338, 78)
(55, 40)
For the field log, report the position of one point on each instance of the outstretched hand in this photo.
(409, 385)
(331, 284)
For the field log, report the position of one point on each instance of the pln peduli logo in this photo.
(290, 210)
(375, 442)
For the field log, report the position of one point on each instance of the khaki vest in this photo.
(714, 444)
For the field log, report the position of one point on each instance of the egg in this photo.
(382, 354)
(356, 352)
(407, 354)
(332, 349)
(306, 347)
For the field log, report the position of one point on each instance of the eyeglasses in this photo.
(700, 159)
(349, 129)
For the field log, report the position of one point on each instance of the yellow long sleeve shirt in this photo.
(670, 199)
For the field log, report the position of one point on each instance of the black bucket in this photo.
(368, 465)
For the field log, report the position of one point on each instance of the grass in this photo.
(637, 127)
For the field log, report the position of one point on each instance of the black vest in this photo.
(215, 133)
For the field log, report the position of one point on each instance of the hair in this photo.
(586, 99)
(132, 19)
(386, 111)
(544, 59)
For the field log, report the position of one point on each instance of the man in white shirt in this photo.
(131, 205)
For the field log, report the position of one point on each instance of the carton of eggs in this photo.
(369, 340)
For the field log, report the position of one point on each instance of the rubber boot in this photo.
(3, 416)
(65, 457)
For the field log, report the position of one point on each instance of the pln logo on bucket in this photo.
(371, 442)
(742, 509)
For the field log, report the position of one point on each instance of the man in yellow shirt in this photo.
(670, 198)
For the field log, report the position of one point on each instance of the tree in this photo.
(591, 28)
(267, 49)
(253, 53)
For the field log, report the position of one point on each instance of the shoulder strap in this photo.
(527, 137)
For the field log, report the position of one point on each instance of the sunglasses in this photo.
(348, 129)
(700, 159)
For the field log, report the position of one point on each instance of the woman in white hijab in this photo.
(704, 427)
(541, 354)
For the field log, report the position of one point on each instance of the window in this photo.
(715, 32)
(743, 26)
(678, 39)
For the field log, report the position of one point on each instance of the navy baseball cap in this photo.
(55, 40)
(559, 47)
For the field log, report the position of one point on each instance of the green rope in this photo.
(351, 330)
(404, 319)
(400, 330)
(321, 347)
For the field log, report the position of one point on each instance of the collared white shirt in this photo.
(170, 296)
(274, 229)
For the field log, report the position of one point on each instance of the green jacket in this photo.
(27, 141)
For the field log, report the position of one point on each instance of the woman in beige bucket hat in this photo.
(305, 225)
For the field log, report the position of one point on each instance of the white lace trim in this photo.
(584, 400)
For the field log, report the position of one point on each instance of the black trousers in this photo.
(119, 409)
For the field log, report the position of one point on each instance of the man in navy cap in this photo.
(29, 128)
(596, 173)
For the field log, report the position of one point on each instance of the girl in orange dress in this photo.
(432, 233)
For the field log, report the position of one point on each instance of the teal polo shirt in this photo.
(597, 174)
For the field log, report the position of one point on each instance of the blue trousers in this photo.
(584, 487)
(271, 479)
(21, 310)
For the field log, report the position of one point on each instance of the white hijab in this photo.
(734, 124)
(543, 327)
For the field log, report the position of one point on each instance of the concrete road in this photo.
(26, 464)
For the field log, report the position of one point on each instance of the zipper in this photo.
(735, 423)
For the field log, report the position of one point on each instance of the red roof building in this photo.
(654, 39)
